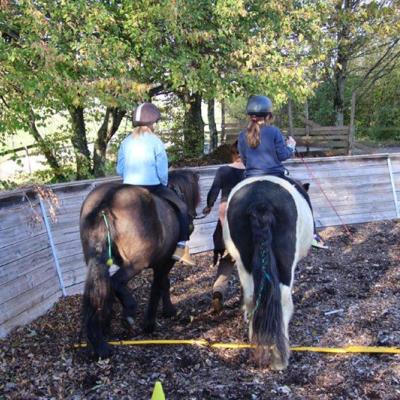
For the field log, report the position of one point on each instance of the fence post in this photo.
(53, 247)
(290, 115)
(28, 160)
(223, 132)
(352, 121)
(307, 127)
(396, 203)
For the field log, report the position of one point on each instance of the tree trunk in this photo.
(193, 126)
(352, 128)
(306, 116)
(340, 69)
(212, 125)
(290, 117)
(111, 122)
(45, 149)
(223, 128)
(79, 143)
(338, 100)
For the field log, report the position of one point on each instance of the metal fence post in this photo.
(53, 247)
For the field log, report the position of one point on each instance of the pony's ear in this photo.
(306, 186)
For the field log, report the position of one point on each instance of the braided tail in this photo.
(266, 319)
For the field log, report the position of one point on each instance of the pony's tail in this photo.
(97, 303)
(267, 330)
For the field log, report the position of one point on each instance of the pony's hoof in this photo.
(149, 327)
(216, 303)
(279, 362)
(169, 312)
(278, 366)
(103, 351)
(128, 323)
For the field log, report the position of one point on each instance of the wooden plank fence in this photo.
(344, 190)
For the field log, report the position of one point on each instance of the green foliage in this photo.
(43, 176)
(361, 41)
(378, 109)
(95, 56)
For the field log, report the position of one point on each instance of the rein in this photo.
(202, 217)
(323, 192)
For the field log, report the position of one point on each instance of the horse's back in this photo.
(134, 216)
(116, 198)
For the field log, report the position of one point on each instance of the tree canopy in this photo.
(92, 61)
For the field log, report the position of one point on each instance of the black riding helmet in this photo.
(260, 106)
(145, 114)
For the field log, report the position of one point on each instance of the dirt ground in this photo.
(358, 279)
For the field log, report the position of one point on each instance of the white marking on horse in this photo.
(287, 307)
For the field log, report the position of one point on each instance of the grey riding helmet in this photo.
(260, 106)
(145, 114)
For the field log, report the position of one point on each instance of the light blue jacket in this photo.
(142, 160)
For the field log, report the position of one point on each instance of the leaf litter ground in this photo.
(348, 295)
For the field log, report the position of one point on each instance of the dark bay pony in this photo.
(139, 231)
(267, 230)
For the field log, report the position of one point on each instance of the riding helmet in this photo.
(146, 114)
(259, 106)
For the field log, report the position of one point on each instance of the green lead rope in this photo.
(110, 261)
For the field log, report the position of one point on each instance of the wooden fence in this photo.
(41, 262)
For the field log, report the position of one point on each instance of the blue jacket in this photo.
(267, 157)
(142, 160)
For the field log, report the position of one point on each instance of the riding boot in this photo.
(318, 242)
(182, 254)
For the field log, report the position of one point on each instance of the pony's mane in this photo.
(187, 182)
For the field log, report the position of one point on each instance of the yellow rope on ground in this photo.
(206, 343)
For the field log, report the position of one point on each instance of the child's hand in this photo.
(206, 210)
(290, 142)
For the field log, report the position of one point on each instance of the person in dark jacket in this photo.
(226, 178)
(262, 148)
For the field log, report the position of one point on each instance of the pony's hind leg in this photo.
(280, 361)
(155, 295)
(118, 282)
(247, 283)
(169, 309)
(287, 307)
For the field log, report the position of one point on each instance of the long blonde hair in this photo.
(254, 127)
(140, 130)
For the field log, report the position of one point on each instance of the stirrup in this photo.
(318, 243)
(182, 254)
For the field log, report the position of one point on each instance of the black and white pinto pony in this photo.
(268, 228)
(128, 227)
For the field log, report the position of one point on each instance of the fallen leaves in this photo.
(356, 284)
